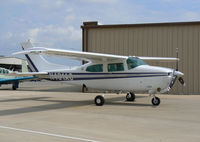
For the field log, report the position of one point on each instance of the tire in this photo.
(84, 88)
(13, 87)
(99, 100)
(155, 101)
(130, 96)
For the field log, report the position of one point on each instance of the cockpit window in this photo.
(4, 71)
(95, 68)
(133, 62)
(115, 67)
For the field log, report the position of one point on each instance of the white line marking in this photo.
(48, 134)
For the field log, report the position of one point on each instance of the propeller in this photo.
(177, 60)
(180, 79)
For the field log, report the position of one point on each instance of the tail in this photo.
(37, 62)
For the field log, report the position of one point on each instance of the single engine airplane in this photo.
(14, 80)
(103, 71)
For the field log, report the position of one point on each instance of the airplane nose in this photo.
(178, 73)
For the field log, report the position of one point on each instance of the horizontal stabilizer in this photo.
(26, 74)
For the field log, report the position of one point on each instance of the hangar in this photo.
(151, 39)
(12, 63)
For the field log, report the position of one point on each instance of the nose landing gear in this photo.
(155, 101)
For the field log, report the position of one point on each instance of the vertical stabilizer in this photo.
(37, 62)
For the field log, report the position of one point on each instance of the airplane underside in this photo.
(130, 84)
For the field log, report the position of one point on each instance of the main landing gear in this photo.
(99, 100)
(15, 85)
(155, 101)
(130, 96)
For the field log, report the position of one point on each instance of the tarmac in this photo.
(49, 112)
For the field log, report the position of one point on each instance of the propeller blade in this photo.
(173, 81)
(181, 81)
(177, 58)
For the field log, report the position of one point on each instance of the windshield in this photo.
(3, 71)
(133, 62)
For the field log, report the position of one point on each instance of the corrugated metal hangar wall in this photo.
(155, 39)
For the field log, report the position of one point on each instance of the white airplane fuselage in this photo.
(143, 78)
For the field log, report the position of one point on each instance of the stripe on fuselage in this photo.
(64, 76)
(31, 62)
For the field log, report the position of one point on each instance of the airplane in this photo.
(103, 71)
(6, 79)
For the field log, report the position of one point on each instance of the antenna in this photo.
(177, 59)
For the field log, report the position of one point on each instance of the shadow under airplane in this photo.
(60, 104)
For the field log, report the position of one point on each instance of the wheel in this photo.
(99, 100)
(155, 101)
(13, 87)
(84, 88)
(130, 96)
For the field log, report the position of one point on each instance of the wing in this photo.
(88, 56)
(15, 79)
(161, 59)
(77, 55)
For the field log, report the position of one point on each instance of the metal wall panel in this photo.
(151, 40)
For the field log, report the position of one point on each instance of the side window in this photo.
(115, 67)
(95, 68)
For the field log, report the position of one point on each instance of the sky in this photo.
(56, 23)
